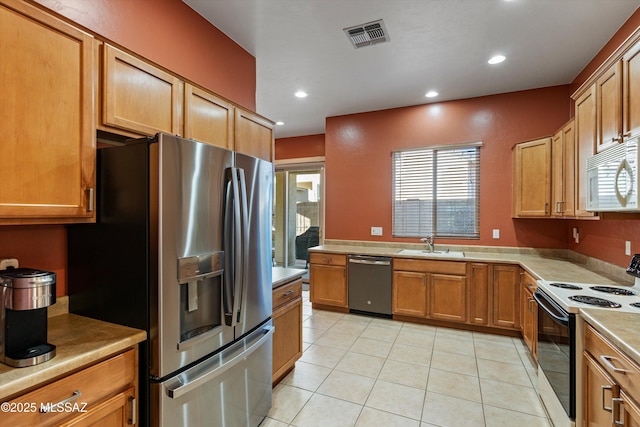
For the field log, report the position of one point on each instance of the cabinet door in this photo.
(630, 410)
(118, 411)
(598, 390)
(562, 171)
(328, 285)
(609, 107)
(207, 118)
(139, 97)
(253, 135)
(529, 318)
(410, 293)
(585, 134)
(532, 178)
(448, 297)
(631, 91)
(46, 99)
(287, 338)
(506, 297)
(479, 275)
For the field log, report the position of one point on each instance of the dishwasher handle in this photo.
(369, 260)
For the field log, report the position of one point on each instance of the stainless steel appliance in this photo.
(561, 340)
(25, 294)
(182, 249)
(369, 281)
(612, 178)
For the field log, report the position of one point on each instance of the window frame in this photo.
(432, 151)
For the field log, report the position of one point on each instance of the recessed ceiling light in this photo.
(431, 94)
(301, 94)
(279, 123)
(496, 59)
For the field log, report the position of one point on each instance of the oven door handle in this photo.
(550, 307)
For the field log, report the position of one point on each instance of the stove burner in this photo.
(635, 304)
(612, 290)
(600, 302)
(565, 286)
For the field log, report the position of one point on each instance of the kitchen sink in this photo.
(427, 254)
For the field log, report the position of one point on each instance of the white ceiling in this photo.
(435, 44)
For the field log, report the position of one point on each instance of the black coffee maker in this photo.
(25, 294)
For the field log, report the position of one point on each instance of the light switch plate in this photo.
(627, 247)
(376, 231)
(496, 233)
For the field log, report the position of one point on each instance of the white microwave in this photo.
(612, 179)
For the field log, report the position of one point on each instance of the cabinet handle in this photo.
(546, 208)
(615, 403)
(626, 135)
(89, 199)
(48, 408)
(604, 388)
(134, 411)
(607, 361)
(287, 294)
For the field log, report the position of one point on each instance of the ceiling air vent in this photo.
(367, 34)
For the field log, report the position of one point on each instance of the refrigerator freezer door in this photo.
(189, 323)
(232, 388)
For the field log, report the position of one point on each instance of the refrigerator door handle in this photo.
(230, 214)
(198, 381)
(242, 249)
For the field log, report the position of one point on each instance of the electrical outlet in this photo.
(496, 233)
(627, 247)
(376, 231)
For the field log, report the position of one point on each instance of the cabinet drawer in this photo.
(429, 266)
(622, 369)
(285, 293)
(328, 259)
(93, 384)
(529, 282)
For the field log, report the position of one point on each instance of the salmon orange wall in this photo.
(300, 147)
(358, 161)
(173, 35)
(43, 247)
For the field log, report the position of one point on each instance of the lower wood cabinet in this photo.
(448, 297)
(506, 296)
(287, 319)
(409, 297)
(104, 394)
(529, 314)
(611, 383)
(328, 280)
(479, 275)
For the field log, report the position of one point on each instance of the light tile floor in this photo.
(366, 371)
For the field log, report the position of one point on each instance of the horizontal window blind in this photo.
(436, 192)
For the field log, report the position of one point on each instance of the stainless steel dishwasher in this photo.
(370, 280)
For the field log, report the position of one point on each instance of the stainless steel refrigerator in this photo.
(182, 249)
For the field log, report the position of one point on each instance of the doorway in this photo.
(298, 213)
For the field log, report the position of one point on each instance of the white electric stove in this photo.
(561, 337)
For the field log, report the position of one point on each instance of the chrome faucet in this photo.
(429, 242)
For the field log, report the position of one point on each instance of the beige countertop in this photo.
(621, 328)
(281, 275)
(79, 341)
(546, 265)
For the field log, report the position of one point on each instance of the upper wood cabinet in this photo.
(631, 91)
(139, 97)
(46, 99)
(532, 178)
(253, 135)
(562, 171)
(609, 107)
(585, 140)
(207, 118)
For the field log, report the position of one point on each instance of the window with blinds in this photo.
(436, 192)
